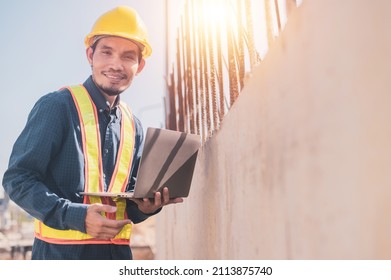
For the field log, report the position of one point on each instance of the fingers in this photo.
(97, 207)
(105, 228)
(161, 199)
(109, 230)
(102, 227)
(166, 196)
(167, 200)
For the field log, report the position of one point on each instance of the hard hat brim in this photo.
(146, 48)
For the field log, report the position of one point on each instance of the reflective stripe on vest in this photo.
(93, 172)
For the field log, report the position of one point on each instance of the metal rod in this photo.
(189, 73)
(220, 72)
(269, 22)
(277, 15)
(239, 39)
(195, 68)
(232, 70)
(180, 124)
(205, 72)
(210, 55)
(215, 108)
(250, 35)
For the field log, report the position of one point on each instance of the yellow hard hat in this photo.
(123, 22)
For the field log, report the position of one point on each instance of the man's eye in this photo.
(106, 52)
(129, 57)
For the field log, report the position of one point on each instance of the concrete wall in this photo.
(301, 167)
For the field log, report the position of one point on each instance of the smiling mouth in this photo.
(114, 77)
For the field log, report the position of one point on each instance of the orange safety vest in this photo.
(93, 172)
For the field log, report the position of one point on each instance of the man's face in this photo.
(114, 62)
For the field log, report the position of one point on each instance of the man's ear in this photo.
(89, 53)
(141, 65)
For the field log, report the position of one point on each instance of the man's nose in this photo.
(116, 64)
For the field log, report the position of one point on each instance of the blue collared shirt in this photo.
(46, 167)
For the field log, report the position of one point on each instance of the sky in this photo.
(42, 49)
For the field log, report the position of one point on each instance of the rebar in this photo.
(240, 43)
(195, 70)
(188, 71)
(180, 124)
(212, 53)
(232, 69)
(250, 35)
(215, 106)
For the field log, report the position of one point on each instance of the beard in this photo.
(110, 91)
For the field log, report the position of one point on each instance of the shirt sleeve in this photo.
(39, 142)
(132, 210)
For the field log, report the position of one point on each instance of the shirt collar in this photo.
(98, 98)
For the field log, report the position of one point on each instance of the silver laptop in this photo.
(168, 160)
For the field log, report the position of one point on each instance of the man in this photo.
(83, 138)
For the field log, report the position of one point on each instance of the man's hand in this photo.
(101, 227)
(149, 206)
